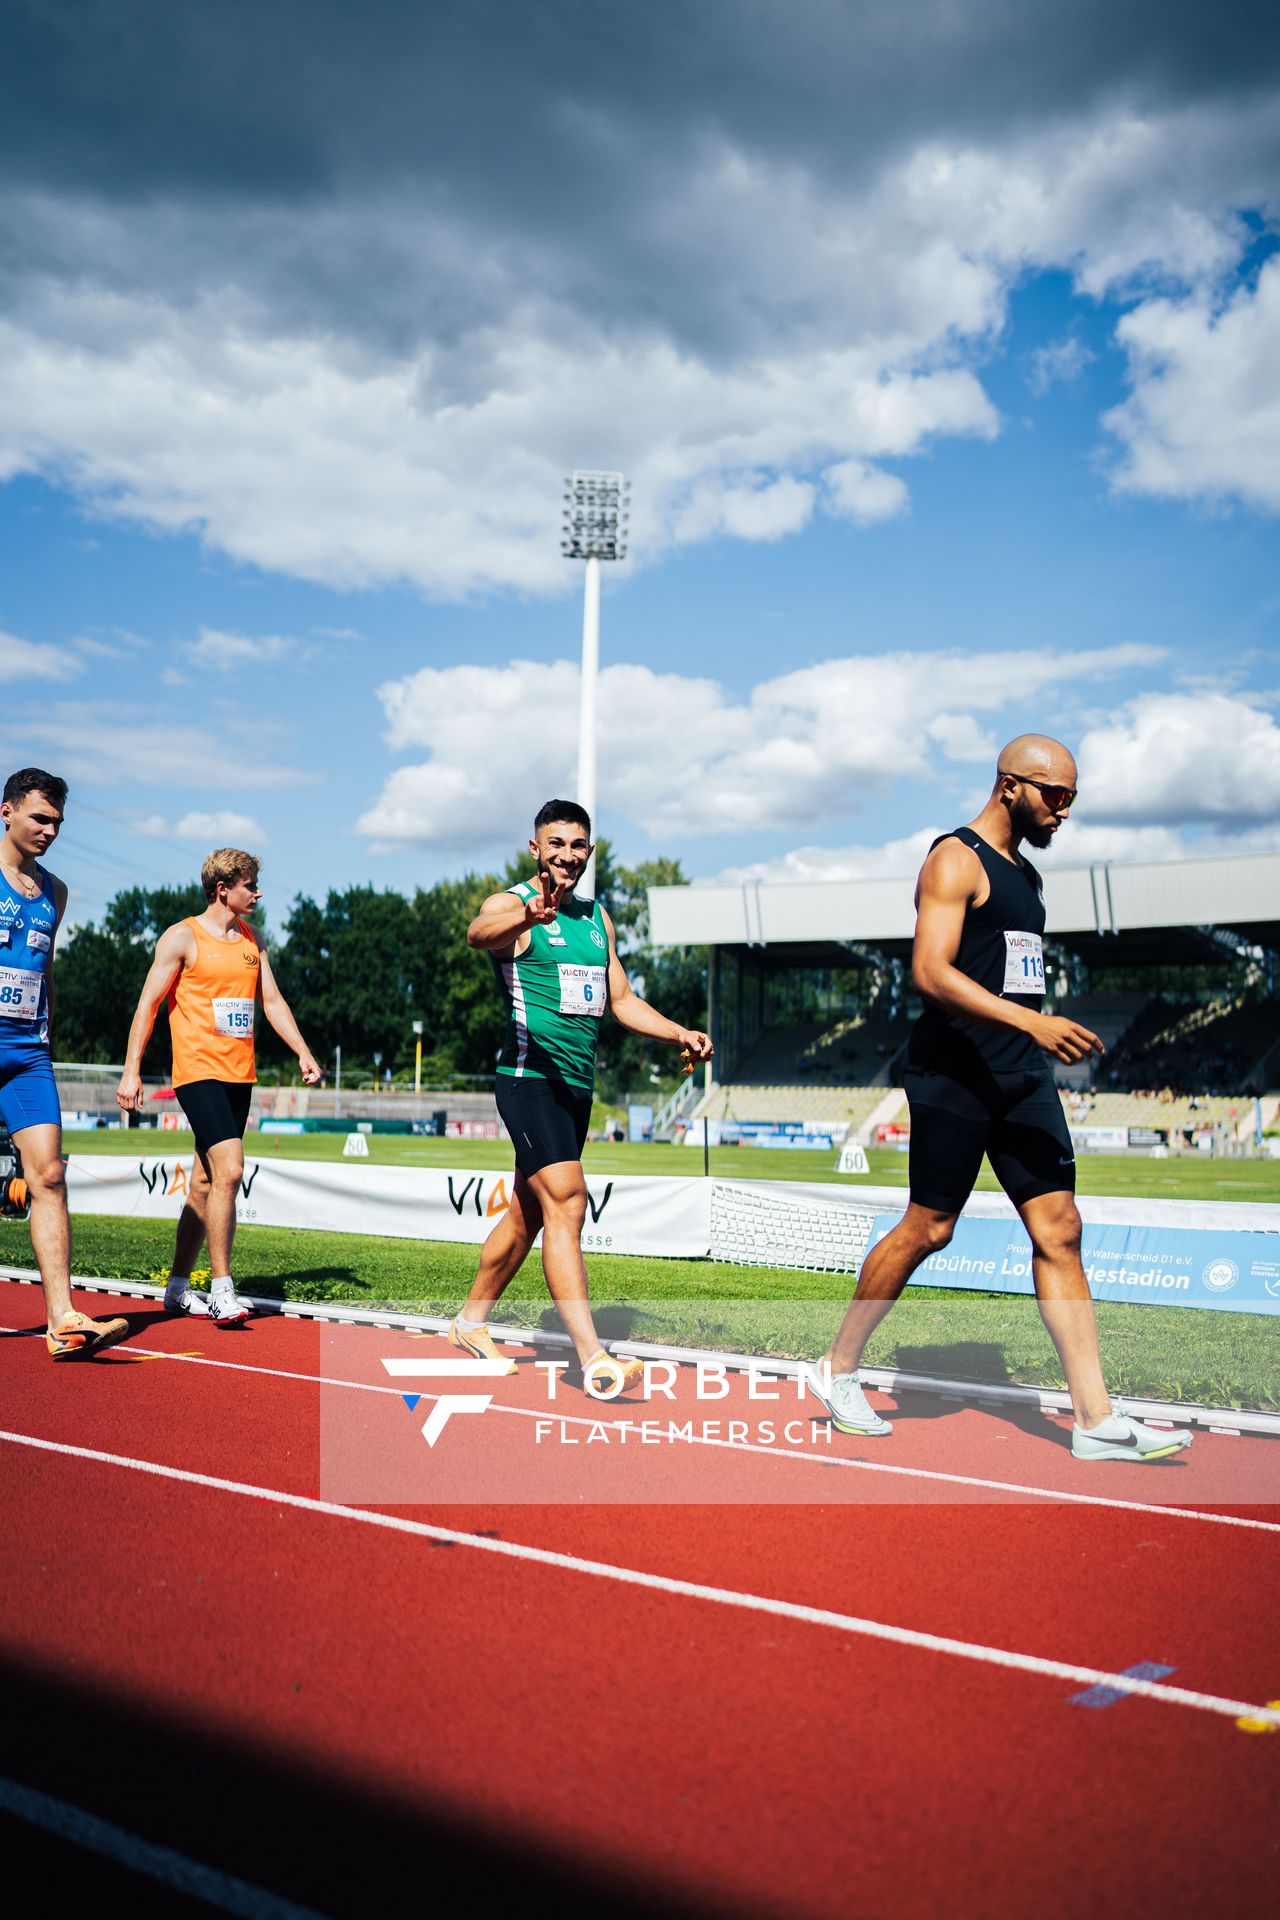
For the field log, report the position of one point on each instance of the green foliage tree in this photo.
(99, 971)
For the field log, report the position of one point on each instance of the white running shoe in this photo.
(225, 1310)
(1121, 1437)
(844, 1400)
(188, 1301)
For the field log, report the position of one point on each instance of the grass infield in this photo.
(1218, 1359)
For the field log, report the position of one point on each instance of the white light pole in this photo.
(596, 511)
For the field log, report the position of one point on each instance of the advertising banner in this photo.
(625, 1214)
(1100, 1139)
(1160, 1265)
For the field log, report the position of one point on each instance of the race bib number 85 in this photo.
(582, 990)
(19, 994)
(234, 1018)
(1023, 963)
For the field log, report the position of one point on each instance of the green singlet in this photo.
(556, 994)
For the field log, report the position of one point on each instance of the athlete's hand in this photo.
(311, 1071)
(1064, 1039)
(693, 1046)
(542, 906)
(129, 1092)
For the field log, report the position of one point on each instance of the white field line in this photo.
(162, 1864)
(681, 1589)
(779, 1453)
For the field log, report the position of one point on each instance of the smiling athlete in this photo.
(979, 1081)
(557, 964)
(32, 903)
(215, 971)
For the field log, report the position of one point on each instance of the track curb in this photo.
(1047, 1400)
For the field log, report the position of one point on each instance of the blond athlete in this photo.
(214, 970)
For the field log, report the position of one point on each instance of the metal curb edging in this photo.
(1225, 1420)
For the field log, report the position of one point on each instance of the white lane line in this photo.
(683, 1589)
(129, 1850)
(1203, 1514)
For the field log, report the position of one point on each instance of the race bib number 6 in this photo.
(582, 990)
(234, 1018)
(19, 994)
(1023, 963)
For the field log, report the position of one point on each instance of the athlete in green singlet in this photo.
(557, 964)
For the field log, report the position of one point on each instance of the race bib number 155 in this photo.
(234, 1018)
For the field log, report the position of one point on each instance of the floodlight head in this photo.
(592, 515)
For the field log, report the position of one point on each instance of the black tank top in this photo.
(1001, 948)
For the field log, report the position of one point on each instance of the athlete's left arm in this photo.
(277, 1010)
(639, 1017)
(60, 902)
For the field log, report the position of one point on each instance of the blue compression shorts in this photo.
(28, 1095)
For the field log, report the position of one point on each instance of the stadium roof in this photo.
(1144, 913)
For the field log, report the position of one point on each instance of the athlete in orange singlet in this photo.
(214, 970)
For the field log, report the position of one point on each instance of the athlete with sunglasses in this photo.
(979, 1081)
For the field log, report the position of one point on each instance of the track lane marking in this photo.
(680, 1589)
(1202, 1514)
(87, 1830)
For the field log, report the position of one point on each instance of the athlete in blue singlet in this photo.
(32, 903)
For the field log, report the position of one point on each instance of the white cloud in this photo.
(758, 334)
(682, 756)
(224, 829)
(1173, 758)
(1203, 421)
(34, 660)
(109, 744)
(226, 652)
(1058, 363)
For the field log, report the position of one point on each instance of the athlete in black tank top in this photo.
(1001, 949)
(979, 1081)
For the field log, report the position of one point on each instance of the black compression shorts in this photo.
(217, 1109)
(547, 1119)
(1016, 1119)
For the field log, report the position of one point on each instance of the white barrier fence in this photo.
(633, 1214)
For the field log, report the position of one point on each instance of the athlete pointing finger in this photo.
(557, 963)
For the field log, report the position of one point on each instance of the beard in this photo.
(1027, 828)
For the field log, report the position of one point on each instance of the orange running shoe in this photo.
(478, 1342)
(606, 1377)
(77, 1337)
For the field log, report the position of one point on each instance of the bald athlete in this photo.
(979, 1080)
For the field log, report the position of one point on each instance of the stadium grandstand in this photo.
(1174, 964)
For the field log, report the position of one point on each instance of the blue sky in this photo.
(944, 423)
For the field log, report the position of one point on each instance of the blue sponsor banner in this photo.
(1162, 1266)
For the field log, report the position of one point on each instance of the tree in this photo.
(98, 975)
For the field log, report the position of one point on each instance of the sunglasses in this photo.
(1058, 799)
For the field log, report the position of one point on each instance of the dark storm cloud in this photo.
(287, 97)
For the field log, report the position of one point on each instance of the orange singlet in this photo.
(211, 1009)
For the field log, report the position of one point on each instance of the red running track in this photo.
(323, 1707)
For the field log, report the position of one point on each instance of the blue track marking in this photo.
(1107, 1696)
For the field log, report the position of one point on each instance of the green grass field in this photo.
(1223, 1359)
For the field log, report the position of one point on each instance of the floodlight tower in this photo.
(596, 512)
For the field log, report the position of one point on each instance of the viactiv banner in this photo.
(625, 1214)
(1160, 1265)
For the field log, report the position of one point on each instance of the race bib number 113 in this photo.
(1023, 963)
